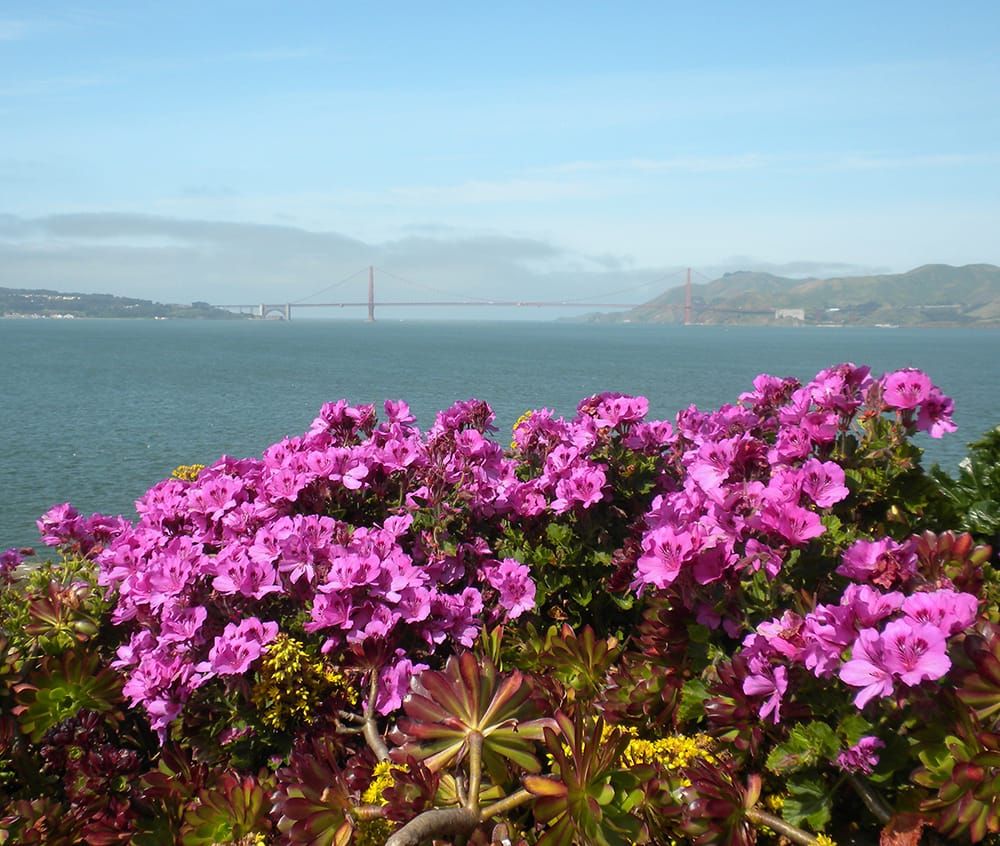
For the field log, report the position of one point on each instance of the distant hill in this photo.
(932, 295)
(18, 302)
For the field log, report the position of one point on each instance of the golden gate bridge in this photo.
(284, 310)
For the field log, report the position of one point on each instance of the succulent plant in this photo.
(80, 750)
(231, 809)
(10, 669)
(413, 789)
(312, 800)
(38, 821)
(716, 806)
(62, 686)
(645, 685)
(732, 716)
(590, 798)
(446, 708)
(579, 661)
(964, 769)
(979, 687)
(62, 617)
(167, 791)
(952, 557)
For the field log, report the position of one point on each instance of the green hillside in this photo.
(931, 295)
(18, 302)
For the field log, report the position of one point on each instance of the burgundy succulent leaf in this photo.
(445, 708)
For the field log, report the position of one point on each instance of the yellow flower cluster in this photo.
(293, 681)
(775, 802)
(382, 777)
(187, 472)
(524, 417)
(371, 832)
(672, 752)
(825, 840)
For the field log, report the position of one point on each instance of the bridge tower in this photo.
(687, 299)
(371, 294)
(288, 311)
(263, 311)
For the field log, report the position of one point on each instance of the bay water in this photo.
(96, 411)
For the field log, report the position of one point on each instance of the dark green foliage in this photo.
(970, 501)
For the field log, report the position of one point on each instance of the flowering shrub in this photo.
(735, 625)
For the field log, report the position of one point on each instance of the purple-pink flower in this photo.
(769, 681)
(514, 584)
(862, 757)
(915, 652)
(906, 389)
(868, 668)
(239, 645)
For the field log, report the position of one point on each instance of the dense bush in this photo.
(737, 626)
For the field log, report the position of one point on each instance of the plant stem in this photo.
(437, 822)
(778, 825)
(475, 771)
(372, 735)
(508, 803)
(874, 802)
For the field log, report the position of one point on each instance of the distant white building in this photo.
(790, 314)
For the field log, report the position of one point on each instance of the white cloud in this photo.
(932, 160)
(13, 30)
(53, 85)
(687, 164)
(273, 54)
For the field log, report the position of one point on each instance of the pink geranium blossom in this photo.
(906, 389)
(515, 586)
(239, 645)
(770, 681)
(861, 757)
(915, 652)
(949, 611)
(935, 413)
(868, 668)
(823, 482)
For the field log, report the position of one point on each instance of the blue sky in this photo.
(556, 147)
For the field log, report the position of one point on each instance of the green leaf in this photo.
(807, 802)
(558, 533)
(807, 744)
(692, 705)
(852, 728)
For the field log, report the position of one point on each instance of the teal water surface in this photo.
(95, 411)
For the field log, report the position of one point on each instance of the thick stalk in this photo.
(779, 826)
(475, 771)
(372, 735)
(438, 822)
(872, 800)
(508, 803)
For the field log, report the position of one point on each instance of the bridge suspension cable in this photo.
(343, 281)
(628, 289)
(447, 293)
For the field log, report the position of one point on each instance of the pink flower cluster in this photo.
(752, 480)
(9, 560)
(204, 575)
(380, 534)
(64, 526)
(896, 638)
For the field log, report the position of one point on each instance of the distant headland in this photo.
(28, 303)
